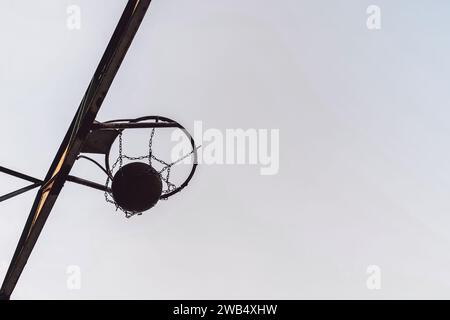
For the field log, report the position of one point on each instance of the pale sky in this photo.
(364, 173)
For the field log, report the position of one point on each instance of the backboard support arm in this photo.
(88, 183)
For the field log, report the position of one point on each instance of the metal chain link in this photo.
(120, 150)
(150, 145)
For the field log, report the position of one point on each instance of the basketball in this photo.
(136, 187)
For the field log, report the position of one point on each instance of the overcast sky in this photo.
(364, 176)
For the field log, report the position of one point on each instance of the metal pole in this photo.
(87, 183)
(19, 175)
(19, 192)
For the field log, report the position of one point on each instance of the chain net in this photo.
(164, 173)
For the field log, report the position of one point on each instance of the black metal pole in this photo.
(19, 192)
(19, 175)
(87, 183)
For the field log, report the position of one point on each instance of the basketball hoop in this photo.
(134, 183)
